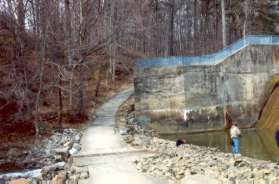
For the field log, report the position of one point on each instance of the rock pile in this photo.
(178, 164)
(190, 164)
(62, 173)
(54, 156)
(130, 130)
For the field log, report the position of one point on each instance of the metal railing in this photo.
(210, 59)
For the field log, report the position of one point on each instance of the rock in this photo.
(68, 144)
(131, 120)
(122, 119)
(128, 139)
(20, 181)
(73, 179)
(69, 163)
(75, 170)
(77, 138)
(59, 179)
(123, 131)
(75, 149)
(141, 140)
(49, 170)
(143, 121)
(84, 175)
(35, 181)
(58, 158)
(199, 179)
(240, 163)
(61, 151)
(193, 172)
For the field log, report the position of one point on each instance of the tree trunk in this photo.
(71, 88)
(38, 96)
(69, 45)
(81, 62)
(171, 39)
(195, 27)
(224, 34)
(60, 105)
(81, 88)
(68, 32)
(43, 35)
(21, 15)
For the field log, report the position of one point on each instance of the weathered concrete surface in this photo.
(163, 94)
(107, 157)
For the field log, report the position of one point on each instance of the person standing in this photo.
(235, 133)
(277, 137)
(180, 151)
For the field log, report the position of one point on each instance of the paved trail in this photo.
(107, 156)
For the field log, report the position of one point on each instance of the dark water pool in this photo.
(258, 144)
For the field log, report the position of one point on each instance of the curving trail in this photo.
(107, 156)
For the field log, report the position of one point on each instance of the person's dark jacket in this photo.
(180, 142)
(277, 137)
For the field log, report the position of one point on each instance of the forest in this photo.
(60, 59)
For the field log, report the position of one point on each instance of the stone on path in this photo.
(199, 179)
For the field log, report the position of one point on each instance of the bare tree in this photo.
(55, 45)
(224, 23)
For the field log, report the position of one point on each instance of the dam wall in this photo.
(189, 93)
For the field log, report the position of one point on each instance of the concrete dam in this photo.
(188, 94)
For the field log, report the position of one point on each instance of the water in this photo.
(258, 144)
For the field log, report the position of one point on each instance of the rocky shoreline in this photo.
(51, 160)
(192, 164)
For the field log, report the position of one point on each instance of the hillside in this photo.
(20, 80)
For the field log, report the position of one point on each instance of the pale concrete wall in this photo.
(162, 94)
